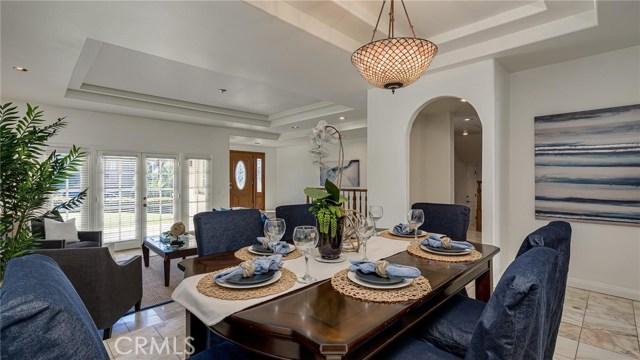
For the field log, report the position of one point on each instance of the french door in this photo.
(246, 176)
(137, 196)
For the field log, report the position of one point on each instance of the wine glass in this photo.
(375, 213)
(415, 217)
(305, 238)
(365, 228)
(274, 230)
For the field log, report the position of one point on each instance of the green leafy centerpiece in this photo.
(327, 202)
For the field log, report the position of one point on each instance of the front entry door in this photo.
(247, 179)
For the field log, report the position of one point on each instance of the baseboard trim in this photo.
(604, 288)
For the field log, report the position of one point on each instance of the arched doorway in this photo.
(445, 147)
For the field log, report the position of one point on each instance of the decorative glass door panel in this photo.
(159, 201)
(119, 196)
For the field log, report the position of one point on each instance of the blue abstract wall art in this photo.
(350, 173)
(587, 165)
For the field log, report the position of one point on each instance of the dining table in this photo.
(318, 322)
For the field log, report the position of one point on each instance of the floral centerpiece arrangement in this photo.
(327, 202)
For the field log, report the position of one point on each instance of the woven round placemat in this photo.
(414, 249)
(208, 287)
(389, 235)
(245, 254)
(418, 288)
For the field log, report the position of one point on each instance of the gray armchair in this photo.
(108, 289)
(87, 239)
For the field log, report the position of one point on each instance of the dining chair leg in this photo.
(107, 334)
(137, 305)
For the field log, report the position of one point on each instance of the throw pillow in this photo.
(37, 224)
(66, 230)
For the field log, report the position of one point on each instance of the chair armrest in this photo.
(126, 262)
(90, 236)
(50, 244)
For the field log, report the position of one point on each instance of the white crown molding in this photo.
(312, 111)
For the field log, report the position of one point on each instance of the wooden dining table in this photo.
(318, 322)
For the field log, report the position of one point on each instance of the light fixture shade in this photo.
(394, 63)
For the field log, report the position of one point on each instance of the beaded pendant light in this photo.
(394, 62)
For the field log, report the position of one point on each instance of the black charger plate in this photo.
(443, 250)
(255, 279)
(374, 278)
(261, 249)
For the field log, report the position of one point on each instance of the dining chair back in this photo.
(220, 231)
(449, 219)
(513, 324)
(555, 235)
(295, 215)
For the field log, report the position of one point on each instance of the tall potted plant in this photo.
(28, 177)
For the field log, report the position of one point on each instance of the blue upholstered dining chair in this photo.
(220, 231)
(295, 215)
(451, 328)
(513, 325)
(448, 219)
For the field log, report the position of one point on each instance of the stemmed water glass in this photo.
(305, 238)
(415, 217)
(365, 228)
(274, 231)
(375, 213)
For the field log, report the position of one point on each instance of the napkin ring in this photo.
(381, 268)
(265, 242)
(446, 242)
(248, 268)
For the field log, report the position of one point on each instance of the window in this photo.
(259, 175)
(241, 175)
(197, 189)
(120, 217)
(159, 200)
(78, 181)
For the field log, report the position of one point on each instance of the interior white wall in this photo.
(297, 172)
(389, 153)
(102, 131)
(431, 161)
(467, 151)
(270, 172)
(604, 258)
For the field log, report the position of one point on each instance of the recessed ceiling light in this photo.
(257, 142)
(295, 126)
(20, 68)
(467, 119)
(465, 133)
(342, 118)
(463, 100)
(222, 91)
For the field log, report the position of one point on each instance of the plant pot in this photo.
(330, 247)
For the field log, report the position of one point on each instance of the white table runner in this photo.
(211, 310)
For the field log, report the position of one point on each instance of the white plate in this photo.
(444, 253)
(352, 276)
(250, 249)
(275, 278)
(323, 260)
(421, 233)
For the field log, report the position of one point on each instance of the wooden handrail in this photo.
(356, 199)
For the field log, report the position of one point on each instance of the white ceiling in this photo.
(285, 64)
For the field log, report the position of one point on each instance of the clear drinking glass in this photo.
(375, 213)
(274, 230)
(365, 228)
(415, 217)
(305, 238)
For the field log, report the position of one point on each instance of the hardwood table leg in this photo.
(196, 332)
(484, 284)
(167, 270)
(145, 255)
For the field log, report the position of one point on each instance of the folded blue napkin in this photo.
(396, 270)
(262, 265)
(281, 247)
(433, 240)
(403, 229)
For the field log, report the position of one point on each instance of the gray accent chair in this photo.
(87, 238)
(107, 288)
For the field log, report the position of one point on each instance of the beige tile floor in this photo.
(594, 326)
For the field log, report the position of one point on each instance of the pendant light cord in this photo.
(391, 29)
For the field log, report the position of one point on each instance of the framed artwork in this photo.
(587, 165)
(350, 173)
